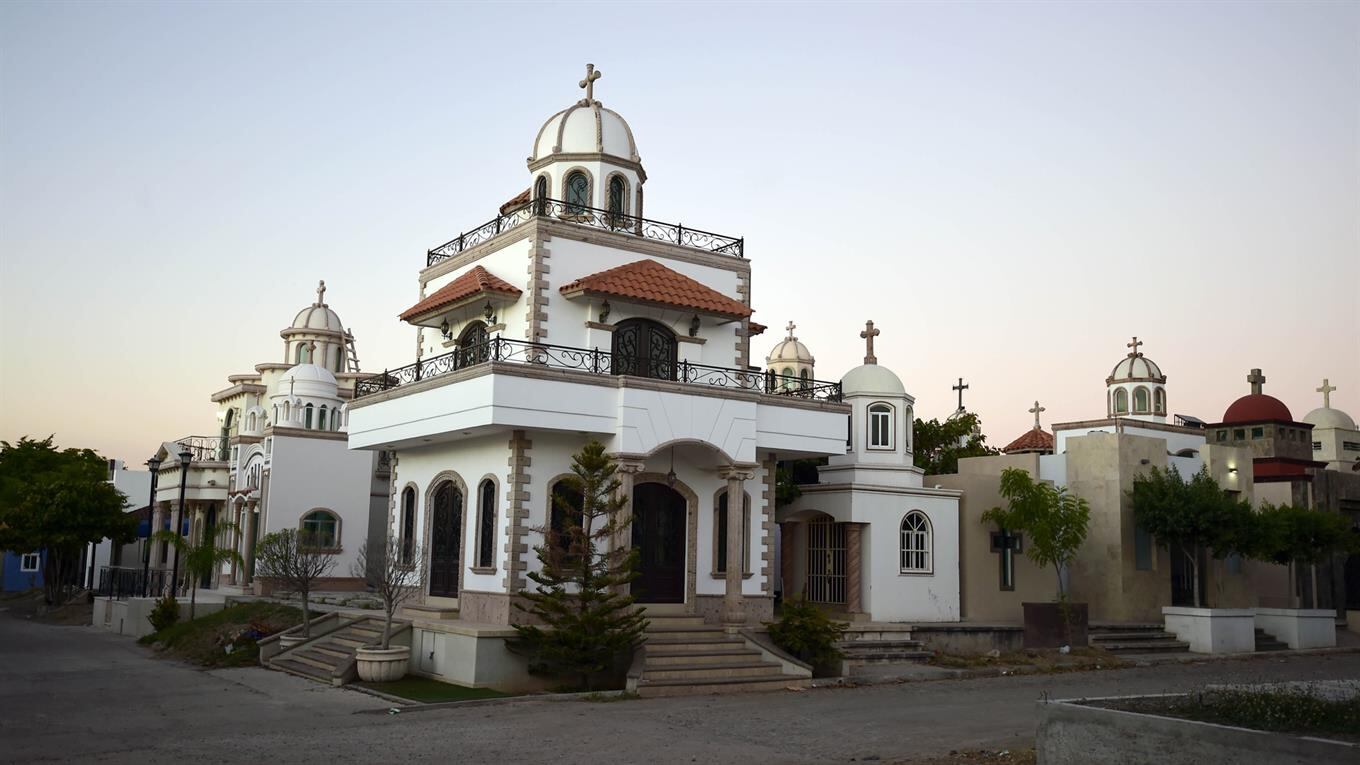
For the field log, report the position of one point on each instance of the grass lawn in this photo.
(204, 641)
(430, 691)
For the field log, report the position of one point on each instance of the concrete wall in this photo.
(321, 473)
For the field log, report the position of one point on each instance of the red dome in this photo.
(1257, 407)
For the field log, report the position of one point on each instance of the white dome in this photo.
(790, 350)
(308, 381)
(872, 379)
(1137, 367)
(318, 317)
(1327, 417)
(585, 129)
(308, 373)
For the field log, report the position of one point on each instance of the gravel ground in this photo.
(75, 692)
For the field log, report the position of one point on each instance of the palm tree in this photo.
(202, 559)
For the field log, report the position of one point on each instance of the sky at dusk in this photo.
(1010, 191)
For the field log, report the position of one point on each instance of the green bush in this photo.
(165, 613)
(807, 633)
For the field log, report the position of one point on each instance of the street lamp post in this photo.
(154, 464)
(185, 457)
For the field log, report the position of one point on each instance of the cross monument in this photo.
(869, 334)
(321, 292)
(1036, 412)
(960, 388)
(1257, 380)
(1134, 345)
(1326, 391)
(589, 82)
(791, 327)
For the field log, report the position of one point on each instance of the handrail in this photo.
(583, 215)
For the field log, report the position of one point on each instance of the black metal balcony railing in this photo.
(204, 448)
(121, 583)
(600, 362)
(673, 233)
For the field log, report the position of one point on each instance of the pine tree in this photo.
(589, 621)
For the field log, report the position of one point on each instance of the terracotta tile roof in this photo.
(647, 281)
(521, 198)
(756, 328)
(478, 281)
(1034, 440)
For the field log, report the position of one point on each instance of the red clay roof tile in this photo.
(648, 281)
(1034, 440)
(477, 281)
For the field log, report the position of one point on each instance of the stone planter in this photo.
(382, 665)
(1299, 627)
(290, 641)
(1213, 630)
(1046, 626)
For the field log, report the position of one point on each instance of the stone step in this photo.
(733, 656)
(667, 620)
(1128, 637)
(706, 672)
(1147, 646)
(429, 613)
(326, 664)
(299, 668)
(683, 632)
(1268, 642)
(693, 644)
(1097, 627)
(775, 682)
(853, 646)
(338, 652)
(348, 642)
(895, 657)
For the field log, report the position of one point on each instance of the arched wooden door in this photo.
(446, 525)
(644, 348)
(659, 514)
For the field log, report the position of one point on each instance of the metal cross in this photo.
(321, 292)
(869, 334)
(791, 328)
(1036, 411)
(1326, 391)
(1134, 345)
(589, 82)
(1257, 380)
(960, 388)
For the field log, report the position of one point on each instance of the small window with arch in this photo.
(577, 192)
(880, 426)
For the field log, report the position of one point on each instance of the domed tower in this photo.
(1136, 388)
(791, 362)
(881, 418)
(317, 336)
(584, 157)
(307, 397)
(1336, 439)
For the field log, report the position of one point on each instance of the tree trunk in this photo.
(193, 600)
(387, 629)
(306, 617)
(1194, 575)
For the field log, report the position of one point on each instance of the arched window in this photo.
(1159, 401)
(322, 420)
(486, 524)
(276, 413)
(287, 411)
(541, 195)
(787, 378)
(307, 414)
(643, 348)
(1121, 401)
(339, 359)
(880, 426)
(1141, 404)
(304, 353)
(408, 525)
(916, 544)
(473, 344)
(618, 202)
(720, 529)
(567, 506)
(335, 419)
(251, 422)
(578, 192)
(804, 377)
(321, 528)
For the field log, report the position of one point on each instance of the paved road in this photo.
(71, 693)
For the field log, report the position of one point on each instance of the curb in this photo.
(408, 706)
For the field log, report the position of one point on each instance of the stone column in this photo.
(854, 568)
(788, 544)
(623, 537)
(157, 521)
(734, 610)
(248, 531)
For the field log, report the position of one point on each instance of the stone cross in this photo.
(321, 292)
(1036, 411)
(869, 334)
(1257, 380)
(589, 82)
(960, 388)
(1134, 345)
(791, 328)
(1326, 391)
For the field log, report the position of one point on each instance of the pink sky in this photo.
(1009, 191)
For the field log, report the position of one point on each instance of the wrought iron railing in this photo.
(123, 582)
(600, 362)
(672, 233)
(204, 448)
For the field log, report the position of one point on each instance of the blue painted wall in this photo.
(14, 580)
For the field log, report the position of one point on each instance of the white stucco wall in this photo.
(312, 473)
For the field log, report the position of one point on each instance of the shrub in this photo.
(165, 614)
(807, 633)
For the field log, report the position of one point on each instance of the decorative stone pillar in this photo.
(734, 609)
(623, 536)
(854, 568)
(157, 522)
(788, 543)
(248, 531)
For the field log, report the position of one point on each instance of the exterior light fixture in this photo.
(1232, 470)
(444, 330)
(694, 326)
(670, 476)
(604, 312)
(488, 312)
(154, 465)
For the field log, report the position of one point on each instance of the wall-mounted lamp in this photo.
(604, 312)
(488, 312)
(694, 326)
(444, 330)
(1143, 461)
(1232, 471)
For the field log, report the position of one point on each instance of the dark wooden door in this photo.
(659, 536)
(644, 348)
(446, 524)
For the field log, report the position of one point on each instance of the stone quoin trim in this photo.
(516, 511)
(767, 525)
(536, 299)
(742, 332)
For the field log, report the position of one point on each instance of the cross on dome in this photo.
(1134, 345)
(960, 388)
(791, 327)
(589, 83)
(1326, 391)
(868, 335)
(1036, 411)
(321, 292)
(1257, 380)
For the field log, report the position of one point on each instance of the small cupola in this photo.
(791, 362)
(1136, 387)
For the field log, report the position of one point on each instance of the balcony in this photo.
(598, 362)
(204, 448)
(580, 215)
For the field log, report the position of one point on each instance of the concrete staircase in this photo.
(683, 656)
(330, 658)
(1127, 639)
(1268, 642)
(864, 652)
